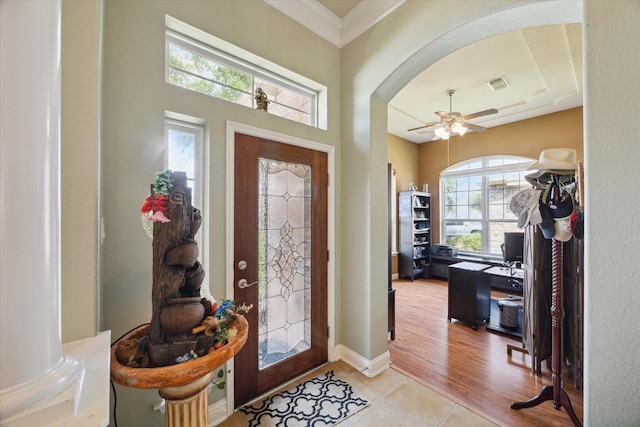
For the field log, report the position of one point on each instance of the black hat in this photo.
(563, 207)
(547, 226)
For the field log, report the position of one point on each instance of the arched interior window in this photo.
(474, 203)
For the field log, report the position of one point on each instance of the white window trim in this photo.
(201, 173)
(239, 58)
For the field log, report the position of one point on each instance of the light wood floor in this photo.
(470, 367)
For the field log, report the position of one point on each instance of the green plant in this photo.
(467, 242)
(218, 379)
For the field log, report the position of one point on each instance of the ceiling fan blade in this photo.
(426, 125)
(444, 115)
(479, 114)
(474, 128)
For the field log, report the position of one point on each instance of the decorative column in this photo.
(33, 368)
(187, 406)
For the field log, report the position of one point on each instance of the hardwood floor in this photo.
(470, 367)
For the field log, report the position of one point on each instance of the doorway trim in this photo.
(232, 129)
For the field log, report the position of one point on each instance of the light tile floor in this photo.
(395, 400)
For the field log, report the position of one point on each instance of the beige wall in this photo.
(134, 104)
(612, 154)
(134, 127)
(80, 165)
(526, 138)
(403, 156)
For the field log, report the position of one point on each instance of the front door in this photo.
(280, 261)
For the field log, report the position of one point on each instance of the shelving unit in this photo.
(414, 213)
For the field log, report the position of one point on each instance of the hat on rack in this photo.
(577, 222)
(524, 205)
(563, 207)
(547, 225)
(557, 202)
(541, 178)
(563, 230)
(556, 159)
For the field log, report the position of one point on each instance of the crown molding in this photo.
(312, 15)
(337, 31)
(364, 16)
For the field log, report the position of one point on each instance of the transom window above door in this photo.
(203, 63)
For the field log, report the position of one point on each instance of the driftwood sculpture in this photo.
(177, 274)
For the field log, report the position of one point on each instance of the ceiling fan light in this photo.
(441, 132)
(459, 128)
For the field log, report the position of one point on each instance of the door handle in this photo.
(242, 283)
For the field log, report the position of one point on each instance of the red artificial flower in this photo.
(160, 203)
(146, 206)
(155, 203)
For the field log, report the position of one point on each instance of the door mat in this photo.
(494, 323)
(319, 402)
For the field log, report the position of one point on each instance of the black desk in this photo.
(501, 279)
(506, 279)
(469, 293)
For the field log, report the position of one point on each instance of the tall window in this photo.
(183, 149)
(476, 195)
(193, 65)
(185, 152)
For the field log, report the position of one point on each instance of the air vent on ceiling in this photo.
(498, 84)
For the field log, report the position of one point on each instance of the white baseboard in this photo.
(217, 412)
(395, 276)
(370, 368)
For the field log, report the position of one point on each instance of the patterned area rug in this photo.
(320, 402)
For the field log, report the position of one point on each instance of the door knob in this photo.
(242, 283)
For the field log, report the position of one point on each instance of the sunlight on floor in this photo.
(396, 400)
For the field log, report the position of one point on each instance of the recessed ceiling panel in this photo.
(541, 64)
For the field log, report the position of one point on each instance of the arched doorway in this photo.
(471, 32)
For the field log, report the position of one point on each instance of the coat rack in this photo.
(554, 392)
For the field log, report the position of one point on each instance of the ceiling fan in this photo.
(453, 122)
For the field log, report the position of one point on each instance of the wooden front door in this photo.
(280, 261)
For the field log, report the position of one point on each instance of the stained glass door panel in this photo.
(284, 260)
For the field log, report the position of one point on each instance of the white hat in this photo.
(535, 217)
(556, 159)
(524, 205)
(563, 230)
